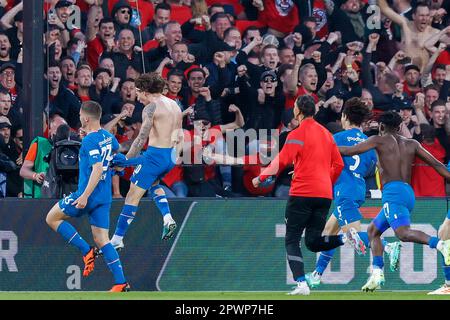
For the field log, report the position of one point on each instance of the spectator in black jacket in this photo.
(61, 100)
(199, 97)
(9, 148)
(264, 105)
(161, 17)
(331, 110)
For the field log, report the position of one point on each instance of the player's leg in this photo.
(56, 219)
(444, 234)
(297, 214)
(376, 228)
(315, 225)
(159, 196)
(99, 219)
(314, 278)
(399, 219)
(127, 215)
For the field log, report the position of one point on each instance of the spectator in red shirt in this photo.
(180, 12)
(425, 181)
(104, 41)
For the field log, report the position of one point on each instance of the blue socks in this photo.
(324, 259)
(378, 262)
(125, 219)
(160, 201)
(113, 262)
(365, 238)
(433, 242)
(68, 232)
(300, 279)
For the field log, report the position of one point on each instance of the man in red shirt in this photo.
(317, 165)
(426, 182)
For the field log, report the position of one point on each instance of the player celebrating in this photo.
(396, 155)
(161, 125)
(93, 196)
(350, 190)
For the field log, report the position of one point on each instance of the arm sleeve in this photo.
(31, 154)
(93, 151)
(281, 161)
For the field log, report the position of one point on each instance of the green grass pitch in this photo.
(191, 295)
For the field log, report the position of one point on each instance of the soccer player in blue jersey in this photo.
(396, 155)
(161, 126)
(350, 190)
(93, 196)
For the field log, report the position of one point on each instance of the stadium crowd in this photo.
(229, 64)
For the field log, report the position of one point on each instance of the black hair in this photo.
(215, 5)
(438, 102)
(163, 6)
(251, 28)
(196, 70)
(306, 105)
(428, 132)
(420, 4)
(105, 20)
(356, 111)
(391, 120)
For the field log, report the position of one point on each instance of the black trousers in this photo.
(307, 214)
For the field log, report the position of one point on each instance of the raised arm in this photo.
(433, 39)
(292, 79)
(361, 147)
(147, 124)
(7, 20)
(238, 121)
(432, 161)
(391, 14)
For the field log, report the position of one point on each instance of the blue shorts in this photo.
(98, 213)
(398, 204)
(448, 214)
(156, 163)
(347, 211)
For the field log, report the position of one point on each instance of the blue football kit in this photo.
(350, 188)
(96, 147)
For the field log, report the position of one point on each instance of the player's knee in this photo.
(403, 235)
(100, 240)
(311, 243)
(157, 190)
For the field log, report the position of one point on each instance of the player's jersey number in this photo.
(356, 164)
(107, 157)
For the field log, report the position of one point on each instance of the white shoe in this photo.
(356, 242)
(119, 245)
(445, 289)
(375, 281)
(445, 250)
(168, 229)
(301, 289)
